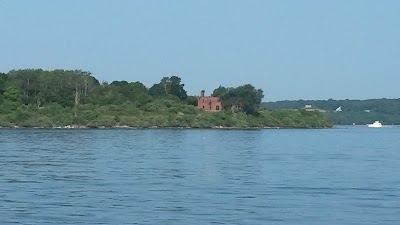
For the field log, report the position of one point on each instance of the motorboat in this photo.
(375, 124)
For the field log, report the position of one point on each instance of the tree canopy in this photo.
(169, 86)
(245, 98)
(57, 98)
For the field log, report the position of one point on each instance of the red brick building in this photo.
(208, 103)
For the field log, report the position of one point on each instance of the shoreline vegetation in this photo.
(124, 127)
(74, 99)
(359, 112)
(148, 128)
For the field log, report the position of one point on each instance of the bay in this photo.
(344, 175)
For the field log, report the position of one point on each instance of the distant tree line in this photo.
(40, 98)
(352, 111)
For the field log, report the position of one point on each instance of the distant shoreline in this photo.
(365, 125)
(154, 128)
(74, 99)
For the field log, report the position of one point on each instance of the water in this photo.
(344, 175)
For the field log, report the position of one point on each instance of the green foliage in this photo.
(157, 90)
(11, 98)
(119, 92)
(39, 87)
(245, 98)
(169, 86)
(64, 98)
(191, 100)
(353, 111)
(5, 121)
(11, 94)
(3, 79)
(219, 91)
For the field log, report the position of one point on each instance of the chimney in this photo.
(202, 93)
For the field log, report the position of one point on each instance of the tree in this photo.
(219, 91)
(245, 98)
(40, 98)
(11, 98)
(3, 78)
(157, 90)
(11, 94)
(169, 86)
(174, 87)
(120, 92)
(39, 87)
(192, 100)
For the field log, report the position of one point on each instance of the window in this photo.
(217, 107)
(203, 100)
(203, 106)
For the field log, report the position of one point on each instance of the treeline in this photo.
(59, 98)
(245, 98)
(352, 111)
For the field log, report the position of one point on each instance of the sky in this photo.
(309, 49)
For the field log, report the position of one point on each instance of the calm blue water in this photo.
(335, 176)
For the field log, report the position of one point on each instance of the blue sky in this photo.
(291, 49)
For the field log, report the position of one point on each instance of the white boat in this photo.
(375, 124)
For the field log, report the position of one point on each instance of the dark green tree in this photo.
(219, 91)
(175, 87)
(3, 78)
(157, 90)
(245, 98)
(39, 87)
(11, 98)
(169, 86)
(11, 94)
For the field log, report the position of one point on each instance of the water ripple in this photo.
(199, 177)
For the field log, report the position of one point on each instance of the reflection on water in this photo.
(335, 176)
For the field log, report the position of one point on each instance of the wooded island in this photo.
(36, 98)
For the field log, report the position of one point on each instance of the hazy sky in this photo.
(291, 49)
